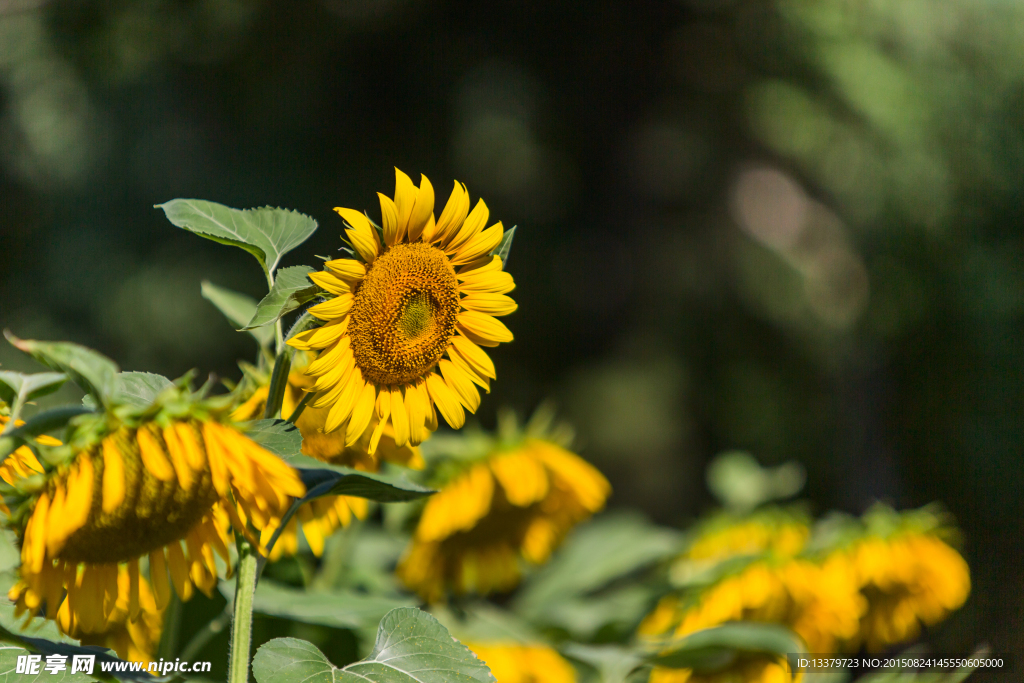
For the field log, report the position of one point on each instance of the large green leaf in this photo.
(333, 480)
(291, 289)
(597, 553)
(411, 647)
(9, 654)
(339, 609)
(277, 436)
(238, 309)
(266, 233)
(92, 371)
(717, 648)
(139, 389)
(14, 384)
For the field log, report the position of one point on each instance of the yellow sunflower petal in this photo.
(389, 220)
(480, 267)
(331, 283)
(113, 476)
(416, 413)
(484, 326)
(472, 226)
(498, 282)
(383, 413)
(362, 235)
(491, 304)
(399, 417)
(158, 578)
(153, 455)
(320, 337)
(453, 215)
(422, 210)
(446, 401)
(346, 268)
(461, 384)
(481, 245)
(361, 413)
(475, 356)
(332, 308)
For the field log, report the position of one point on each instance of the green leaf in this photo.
(326, 479)
(505, 246)
(291, 289)
(411, 647)
(597, 553)
(338, 609)
(92, 371)
(277, 436)
(266, 233)
(9, 654)
(717, 648)
(613, 663)
(139, 389)
(237, 308)
(29, 386)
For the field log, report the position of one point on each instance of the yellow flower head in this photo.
(22, 463)
(773, 531)
(138, 485)
(756, 669)
(820, 603)
(318, 519)
(513, 504)
(908, 579)
(518, 663)
(430, 289)
(134, 640)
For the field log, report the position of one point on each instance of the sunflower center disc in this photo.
(403, 314)
(153, 513)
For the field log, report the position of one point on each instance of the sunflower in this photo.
(754, 669)
(134, 640)
(516, 502)
(22, 463)
(819, 602)
(319, 518)
(416, 292)
(134, 485)
(776, 531)
(519, 663)
(908, 579)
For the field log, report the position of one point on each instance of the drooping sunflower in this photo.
(138, 483)
(519, 663)
(776, 531)
(419, 291)
(818, 602)
(134, 640)
(909, 579)
(319, 518)
(515, 503)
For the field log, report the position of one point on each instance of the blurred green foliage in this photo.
(791, 227)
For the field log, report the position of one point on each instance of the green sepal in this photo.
(505, 246)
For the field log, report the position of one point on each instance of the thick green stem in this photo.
(241, 623)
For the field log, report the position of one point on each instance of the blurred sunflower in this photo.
(908, 579)
(517, 501)
(22, 462)
(518, 663)
(754, 669)
(396, 310)
(777, 531)
(820, 603)
(135, 640)
(318, 519)
(134, 484)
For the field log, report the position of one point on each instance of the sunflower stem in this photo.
(278, 384)
(241, 623)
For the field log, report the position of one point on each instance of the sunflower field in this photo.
(653, 341)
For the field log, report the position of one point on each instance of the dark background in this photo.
(787, 227)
